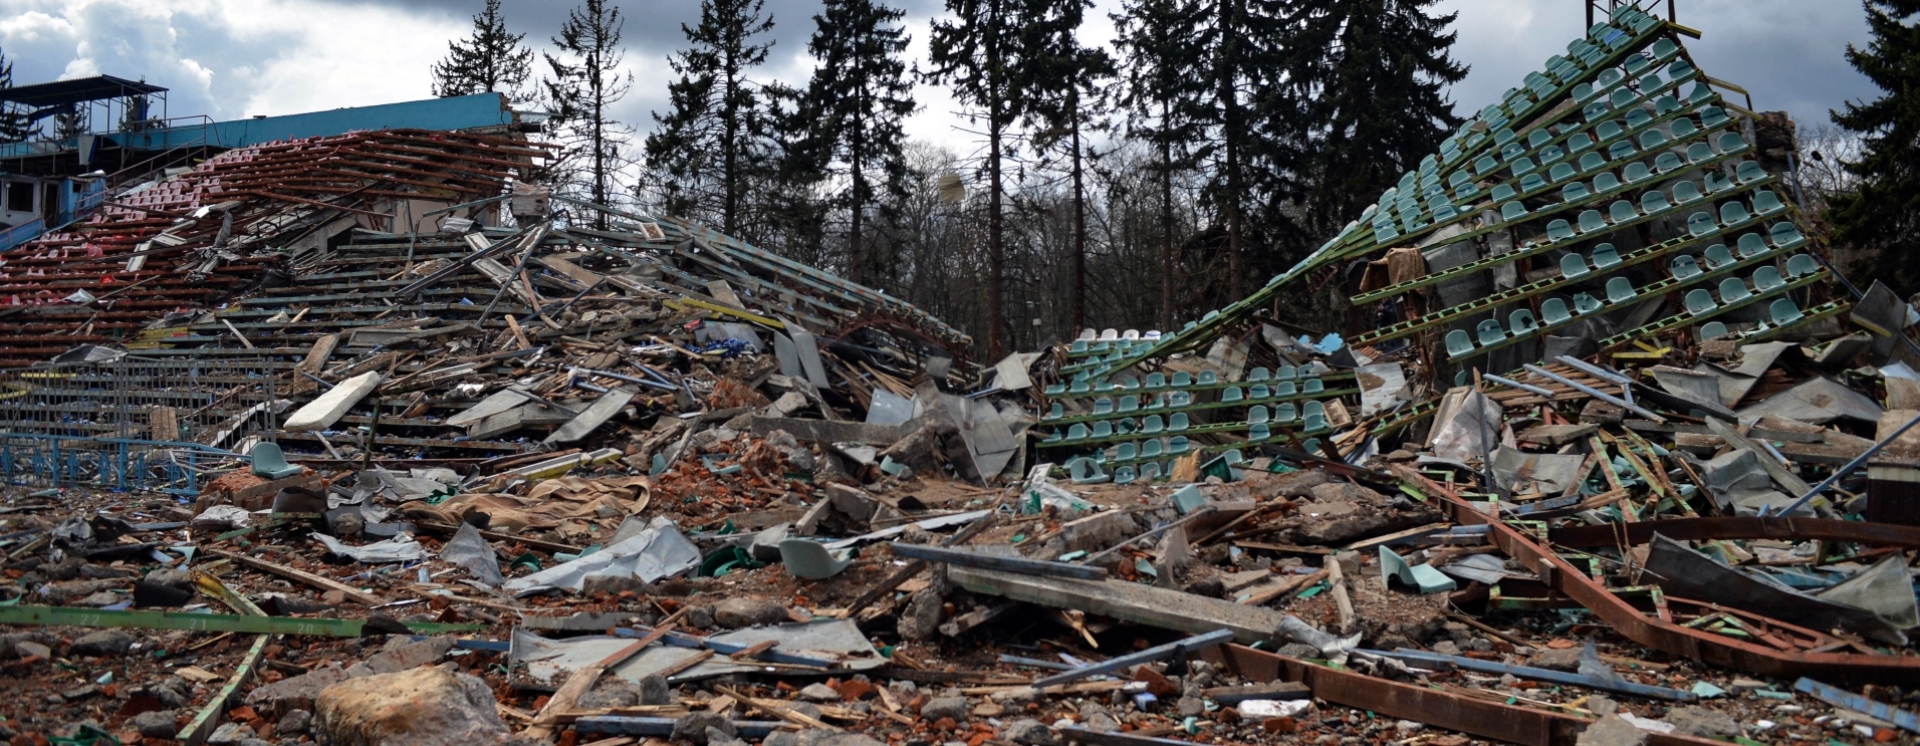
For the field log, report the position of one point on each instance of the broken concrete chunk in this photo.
(418, 707)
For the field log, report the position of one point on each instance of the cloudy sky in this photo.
(238, 58)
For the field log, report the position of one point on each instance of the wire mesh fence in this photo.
(132, 423)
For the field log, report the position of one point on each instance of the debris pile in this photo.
(490, 471)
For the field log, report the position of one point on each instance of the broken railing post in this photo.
(1169, 650)
(1844, 470)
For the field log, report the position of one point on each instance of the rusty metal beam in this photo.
(1703, 529)
(1658, 634)
(1478, 717)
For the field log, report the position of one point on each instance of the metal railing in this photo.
(129, 424)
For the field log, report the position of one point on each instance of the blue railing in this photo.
(22, 233)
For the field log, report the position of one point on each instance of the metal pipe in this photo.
(1601, 371)
(1842, 471)
(623, 377)
(1593, 392)
(1527, 387)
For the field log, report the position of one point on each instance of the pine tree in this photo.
(1882, 219)
(982, 54)
(489, 59)
(1064, 103)
(1364, 101)
(852, 112)
(1159, 44)
(716, 136)
(585, 87)
(69, 124)
(13, 122)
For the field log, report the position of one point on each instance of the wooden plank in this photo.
(315, 361)
(595, 415)
(303, 576)
(1158, 607)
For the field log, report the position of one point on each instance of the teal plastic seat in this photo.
(1636, 172)
(1593, 161)
(1285, 372)
(1619, 290)
(1608, 131)
(1285, 414)
(1179, 399)
(1581, 142)
(1652, 139)
(1733, 213)
(1712, 329)
(1573, 265)
(1623, 96)
(1103, 406)
(1232, 394)
(1424, 578)
(1314, 409)
(1717, 182)
(811, 560)
(1585, 304)
(1701, 224)
(1258, 413)
(1152, 424)
(1485, 165)
(1606, 183)
(1752, 245)
(1532, 182)
(1259, 431)
(1766, 203)
(1767, 278)
(1784, 312)
(1150, 471)
(1734, 290)
(1312, 386)
(270, 463)
(1177, 445)
(1749, 172)
(1666, 105)
(1621, 150)
(1786, 235)
(1584, 92)
(1315, 424)
(1698, 302)
(1124, 475)
(1667, 163)
(1129, 403)
(1512, 211)
(1559, 230)
(1056, 412)
(1683, 127)
(1730, 142)
(1554, 310)
(1605, 257)
(1286, 388)
(1686, 192)
(1102, 429)
(1490, 332)
(1086, 471)
(1713, 116)
(1699, 153)
(1077, 432)
(1521, 321)
(1574, 193)
(1182, 379)
(1801, 265)
(1622, 211)
(1592, 222)
(1156, 381)
(1718, 257)
(1684, 267)
(1126, 452)
(1561, 172)
(1177, 422)
(1209, 378)
(1259, 391)
(1259, 375)
(1152, 449)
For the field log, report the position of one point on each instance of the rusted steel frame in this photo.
(1701, 529)
(1696, 644)
(1478, 717)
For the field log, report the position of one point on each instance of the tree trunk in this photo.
(1231, 136)
(1079, 227)
(996, 314)
(730, 152)
(1166, 220)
